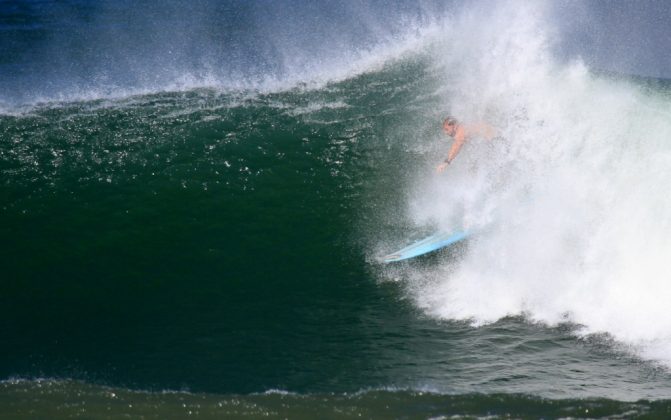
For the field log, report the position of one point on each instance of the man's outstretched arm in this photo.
(459, 140)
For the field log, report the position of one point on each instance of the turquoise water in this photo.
(212, 251)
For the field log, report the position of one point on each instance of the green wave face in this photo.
(223, 228)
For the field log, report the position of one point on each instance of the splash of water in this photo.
(573, 219)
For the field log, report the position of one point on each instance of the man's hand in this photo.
(440, 168)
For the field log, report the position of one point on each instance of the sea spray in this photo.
(140, 49)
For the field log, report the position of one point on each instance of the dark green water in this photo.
(71, 399)
(220, 244)
(212, 252)
(194, 240)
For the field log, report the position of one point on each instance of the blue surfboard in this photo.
(426, 245)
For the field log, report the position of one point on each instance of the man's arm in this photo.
(459, 139)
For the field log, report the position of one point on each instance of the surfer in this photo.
(460, 133)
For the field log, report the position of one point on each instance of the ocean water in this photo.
(194, 198)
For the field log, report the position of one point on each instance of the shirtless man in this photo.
(462, 132)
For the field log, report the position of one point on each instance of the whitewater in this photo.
(571, 210)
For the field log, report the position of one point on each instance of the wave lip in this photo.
(101, 52)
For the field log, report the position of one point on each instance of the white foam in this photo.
(572, 209)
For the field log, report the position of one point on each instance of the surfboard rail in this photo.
(424, 246)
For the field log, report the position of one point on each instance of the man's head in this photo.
(450, 126)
